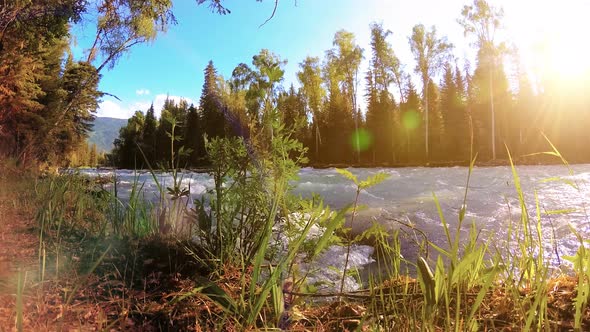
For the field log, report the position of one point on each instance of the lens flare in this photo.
(411, 119)
(361, 140)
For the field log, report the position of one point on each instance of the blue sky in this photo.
(173, 64)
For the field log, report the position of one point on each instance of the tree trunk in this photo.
(492, 111)
(426, 112)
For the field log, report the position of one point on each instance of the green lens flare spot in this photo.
(411, 119)
(361, 140)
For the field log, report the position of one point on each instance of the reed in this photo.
(248, 225)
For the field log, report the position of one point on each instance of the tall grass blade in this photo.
(20, 287)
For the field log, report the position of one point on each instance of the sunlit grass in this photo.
(465, 284)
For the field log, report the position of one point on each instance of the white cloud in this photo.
(117, 109)
(113, 109)
(161, 98)
(142, 92)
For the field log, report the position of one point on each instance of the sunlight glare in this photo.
(566, 56)
(561, 52)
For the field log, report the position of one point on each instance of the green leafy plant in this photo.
(360, 185)
(236, 224)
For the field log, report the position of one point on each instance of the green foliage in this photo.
(47, 107)
(193, 137)
(247, 205)
(148, 134)
(331, 224)
(153, 138)
(125, 152)
(466, 277)
(360, 185)
(581, 262)
(47, 104)
(293, 115)
(86, 156)
(429, 52)
(214, 122)
(313, 94)
(48, 100)
(454, 112)
(125, 24)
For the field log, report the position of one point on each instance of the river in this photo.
(408, 195)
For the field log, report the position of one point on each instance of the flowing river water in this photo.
(408, 195)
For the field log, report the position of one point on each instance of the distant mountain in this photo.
(104, 132)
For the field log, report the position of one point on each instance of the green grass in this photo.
(464, 285)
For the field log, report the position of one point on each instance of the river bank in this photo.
(92, 281)
(531, 160)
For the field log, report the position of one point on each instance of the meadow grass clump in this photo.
(475, 284)
(234, 263)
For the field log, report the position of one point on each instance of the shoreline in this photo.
(161, 267)
(434, 164)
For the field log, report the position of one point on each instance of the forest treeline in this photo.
(457, 107)
(431, 112)
(48, 98)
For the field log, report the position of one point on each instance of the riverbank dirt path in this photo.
(42, 303)
(18, 247)
(100, 302)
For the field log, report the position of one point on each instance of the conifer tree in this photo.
(214, 123)
(310, 77)
(527, 118)
(269, 73)
(384, 70)
(292, 112)
(346, 57)
(490, 87)
(454, 112)
(93, 156)
(436, 122)
(412, 124)
(338, 114)
(162, 138)
(482, 21)
(429, 52)
(148, 135)
(80, 83)
(126, 153)
(193, 137)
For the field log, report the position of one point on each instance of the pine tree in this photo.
(126, 153)
(527, 120)
(93, 156)
(214, 123)
(454, 111)
(339, 119)
(77, 111)
(412, 124)
(436, 122)
(163, 140)
(490, 86)
(310, 76)
(346, 57)
(482, 21)
(381, 108)
(148, 135)
(429, 52)
(31, 49)
(193, 137)
(291, 108)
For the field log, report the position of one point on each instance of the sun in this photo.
(553, 37)
(565, 56)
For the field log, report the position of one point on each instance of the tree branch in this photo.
(271, 15)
